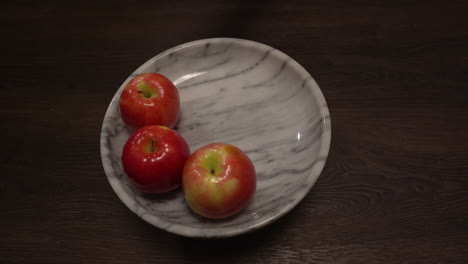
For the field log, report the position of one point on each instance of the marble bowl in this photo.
(239, 92)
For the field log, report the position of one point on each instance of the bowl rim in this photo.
(187, 231)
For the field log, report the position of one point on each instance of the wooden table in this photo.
(394, 74)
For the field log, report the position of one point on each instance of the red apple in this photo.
(149, 99)
(218, 180)
(154, 157)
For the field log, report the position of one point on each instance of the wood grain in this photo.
(394, 73)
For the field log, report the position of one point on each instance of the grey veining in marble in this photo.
(240, 92)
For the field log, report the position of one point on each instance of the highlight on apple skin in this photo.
(218, 180)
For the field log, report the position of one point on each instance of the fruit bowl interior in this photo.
(243, 93)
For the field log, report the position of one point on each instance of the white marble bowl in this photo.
(239, 92)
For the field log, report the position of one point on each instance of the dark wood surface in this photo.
(394, 74)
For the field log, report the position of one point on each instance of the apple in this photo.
(149, 99)
(153, 159)
(218, 180)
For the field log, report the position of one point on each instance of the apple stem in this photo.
(145, 94)
(152, 145)
(212, 171)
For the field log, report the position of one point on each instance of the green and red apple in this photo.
(218, 180)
